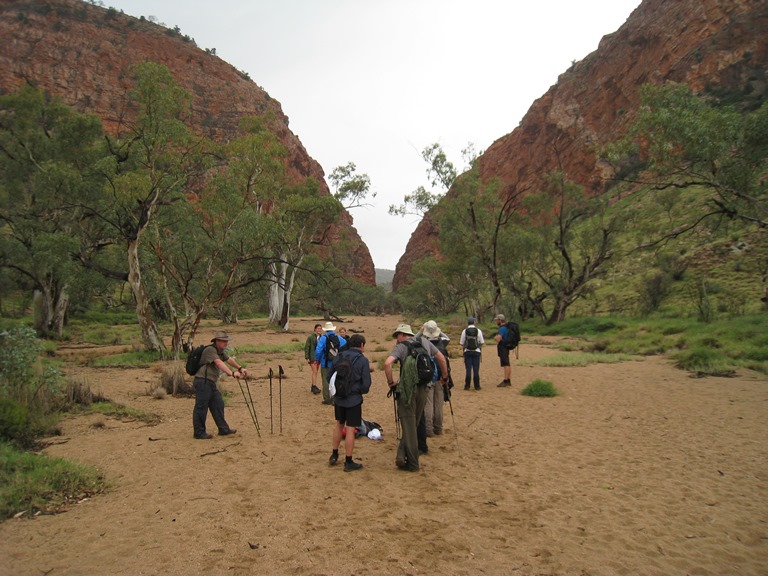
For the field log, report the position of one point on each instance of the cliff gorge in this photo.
(708, 44)
(83, 54)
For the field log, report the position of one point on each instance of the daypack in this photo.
(425, 368)
(331, 348)
(513, 335)
(343, 376)
(193, 359)
(470, 338)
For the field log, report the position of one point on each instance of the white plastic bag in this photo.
(332, 385)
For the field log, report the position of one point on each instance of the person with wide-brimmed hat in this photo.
(409, 396)
(328, 347)
(213, 363)
(433, 407)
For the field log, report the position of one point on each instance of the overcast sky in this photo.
(376, 81)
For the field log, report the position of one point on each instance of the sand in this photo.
(636, 468)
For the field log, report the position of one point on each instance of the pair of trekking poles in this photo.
(252, 408)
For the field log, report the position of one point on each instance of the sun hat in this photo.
(402, 329)
(499, 317)
(471, 320)
(430, 329)
(329, 327)
(221, 335)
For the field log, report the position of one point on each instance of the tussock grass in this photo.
(579, 359)
(32, 484)
(540, 389)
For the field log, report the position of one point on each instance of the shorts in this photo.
(503, 355)
(353, 416)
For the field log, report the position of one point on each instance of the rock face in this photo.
(707, 44)
(83, 54)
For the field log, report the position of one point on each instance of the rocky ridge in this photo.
(83, 54)
(707, 44)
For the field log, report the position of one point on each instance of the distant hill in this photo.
(384, 278)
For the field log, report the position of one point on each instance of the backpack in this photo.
(470, 339)
(513, 335)
(331, 348)
(343, 377)
(425, 367)
(193, 359)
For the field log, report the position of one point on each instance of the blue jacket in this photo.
(320, 349)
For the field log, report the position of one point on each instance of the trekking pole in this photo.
(280, 392)
(271, 419)
(253, 408)
(447, 398)
(249, 406)
(394, 403)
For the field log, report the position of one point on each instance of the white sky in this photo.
(376, 81)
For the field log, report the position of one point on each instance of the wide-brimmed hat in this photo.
(499, 317)
(402, 329)
(221, 335)
(430, 329)
(329, 327)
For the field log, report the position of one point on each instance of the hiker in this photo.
(501, 321)
(213, 363)
(328, 347)
(343, 334)
(433, 408)
(472, 342)
(309, 355)
(409, 395)
(349, 409)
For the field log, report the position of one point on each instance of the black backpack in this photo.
(331, 348)
(425, 368)
(513, 335)
(193, 359)
(343, 381)
(470, 339)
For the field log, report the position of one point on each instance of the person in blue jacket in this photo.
(328, 347)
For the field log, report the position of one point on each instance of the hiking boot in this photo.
(315, 389)
(327, 402)
(466, 387)
(504, 384)
(400, 462)
(228, 432)
(351, 466)
(477, 387)
(203, 436)
(333, 459)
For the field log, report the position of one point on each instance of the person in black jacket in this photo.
(349, 410)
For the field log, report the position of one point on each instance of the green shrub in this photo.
(540, 388)
(14, 420)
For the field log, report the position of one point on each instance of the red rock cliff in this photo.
(83, 54)
(703, 43)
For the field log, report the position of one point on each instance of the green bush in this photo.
(14, 420)
(540, 388)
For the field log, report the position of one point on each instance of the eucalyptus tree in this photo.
(49, 158)
(566, 239)
(217, 245)
(300, 222)
(689, 141)
(155, 159)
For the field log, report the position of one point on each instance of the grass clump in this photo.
(32, 484)
(580, 359)
(540, 389)
(702, 361)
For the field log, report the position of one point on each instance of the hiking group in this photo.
(423, 387)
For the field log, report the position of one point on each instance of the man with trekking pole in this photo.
(410, 394)
(213, 363)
